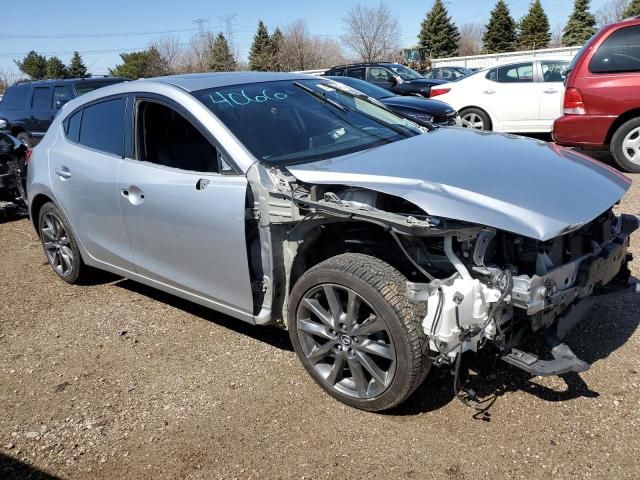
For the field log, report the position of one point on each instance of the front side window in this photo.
(379, 75)
(554, 71)
(165, 137)
(359, 73)
(620, 52)
(520, 73)
(41, 99)
(102, 127)
(405, 73)
(60, 96)
(286, 122)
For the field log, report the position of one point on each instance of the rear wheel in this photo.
(60, 246)
(475, 119)
(356, 332)
(625, 146)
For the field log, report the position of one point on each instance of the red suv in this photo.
(602, 98)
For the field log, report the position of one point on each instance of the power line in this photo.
(90, 35)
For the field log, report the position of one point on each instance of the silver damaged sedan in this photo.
(383, 246)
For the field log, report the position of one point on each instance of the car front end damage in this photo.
(480, 285)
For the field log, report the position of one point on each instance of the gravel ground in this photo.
(115, 380)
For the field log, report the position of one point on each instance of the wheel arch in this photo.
(36, 205)
(621, 120)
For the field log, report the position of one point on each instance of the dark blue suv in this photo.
(28, 108)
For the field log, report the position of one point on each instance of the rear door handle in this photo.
(63, 172)
(489, 92)
(134, 194)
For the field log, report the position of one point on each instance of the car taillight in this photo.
(438, 91)
(573, 102)
(27, 155)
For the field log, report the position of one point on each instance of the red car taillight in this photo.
(573, 102)
(438, 91)
(27, 155)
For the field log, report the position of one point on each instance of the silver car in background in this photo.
(383, 246)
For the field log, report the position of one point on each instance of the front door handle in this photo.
(134, 194)
(63, 172)
(550, 90)
(489, 92)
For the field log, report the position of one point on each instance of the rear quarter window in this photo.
(15, 97)
(619, 53)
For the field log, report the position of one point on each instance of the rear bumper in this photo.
(587, 131)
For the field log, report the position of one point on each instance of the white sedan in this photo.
(517, 97)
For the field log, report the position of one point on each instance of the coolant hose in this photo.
(448, 251)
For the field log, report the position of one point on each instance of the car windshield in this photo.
(287, 122)
(367, 88)
(405, 73)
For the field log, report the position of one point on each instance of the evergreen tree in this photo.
(142, 64)
(275, 43)
(633, 9)
(438, 35)
(34, 65)
(221, 59)
(500, 34)
(535, 31)
(581, 25)
(77, 68)
(55, 68)
(260, 49)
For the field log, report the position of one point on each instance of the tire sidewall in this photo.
(77, 260)
(616, 146)
(400, 380)
(486, 121)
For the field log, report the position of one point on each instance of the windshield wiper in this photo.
(321, 97)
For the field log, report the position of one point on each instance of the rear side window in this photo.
(41, 99)
(357, 73)
(15, 97)
(72, 126)
(618, 53)
(102, 127)
(554, 71)
(520, 73)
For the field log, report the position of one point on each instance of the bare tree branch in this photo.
(371, 33)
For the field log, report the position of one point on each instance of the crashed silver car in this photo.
(383, 246)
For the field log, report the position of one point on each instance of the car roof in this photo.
(192, 82)
(70, 80)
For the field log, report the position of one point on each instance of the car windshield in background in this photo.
(288, 122)
(367, 88)
(405, 73)
(86, 87)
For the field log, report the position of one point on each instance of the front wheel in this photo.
(475, 119)
(357, 333)
(625, 146)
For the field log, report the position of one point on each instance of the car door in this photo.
(513, 97)
(183, 208)
(42, 113)
(551, 87)
(83, 167)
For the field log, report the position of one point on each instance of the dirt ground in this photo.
(115, 380)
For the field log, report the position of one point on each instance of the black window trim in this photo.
(64, 123)
(131, 154)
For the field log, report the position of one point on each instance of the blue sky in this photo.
(114, 17)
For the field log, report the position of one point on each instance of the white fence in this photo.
(481, 61)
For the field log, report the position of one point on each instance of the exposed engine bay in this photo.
(480, 285)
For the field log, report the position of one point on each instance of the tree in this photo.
(77, 68)
(170, 49)
(438, 34)
(299, 50)
(633, 10)
(33, 65)
(500, 34)
(275, 43)
(7, 78)
(195, 56)
(470, 39)
(535, 32)
(613, 11)
(142, 64)
(260, 49)
(371, 33)
(55, 68)
(581, 25)
(221, 59)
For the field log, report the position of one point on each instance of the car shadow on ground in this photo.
(607, 327)
(12, 469)
(274, 336)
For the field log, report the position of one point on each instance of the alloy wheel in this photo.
(472, 120)
(345, 341)
(631, 146)
(56, 244)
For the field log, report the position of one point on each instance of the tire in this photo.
(25, 138)
(625, 146)
(475, 116)
(337, 349)
(59, 244)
